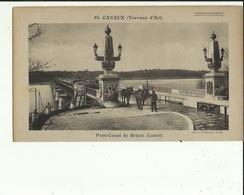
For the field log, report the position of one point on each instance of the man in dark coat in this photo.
(154, 101)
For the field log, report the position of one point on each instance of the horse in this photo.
(141, 95)
(126, 94)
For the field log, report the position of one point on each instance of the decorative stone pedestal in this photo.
(216, 85)
(72, 104)
(109, 89)
(79, 94)
(62, 100)
(80, 101)
(58, 91)
(109, 81)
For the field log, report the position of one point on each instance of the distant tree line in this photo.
(161, 73)
(47, 76)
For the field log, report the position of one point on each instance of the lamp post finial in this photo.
(213, 36)
(107, 30)
(215, 55)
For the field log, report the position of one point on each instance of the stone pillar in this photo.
(55, 88)
(79, 97)
(58, 91)
(109, 81)
(72, 104)
(56, 96)
(216, 83)
(60, 103)
(77, 101)
(83, 100)
(109, 89)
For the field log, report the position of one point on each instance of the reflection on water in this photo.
(43, 97)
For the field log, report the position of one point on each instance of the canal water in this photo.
(167, 83)
(43, 97)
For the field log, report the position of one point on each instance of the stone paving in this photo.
(122, 118)
(132, 118)
(201, 120)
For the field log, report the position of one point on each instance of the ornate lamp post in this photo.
(108, 60)
(215, 59)
(216, 83)
(109, 81)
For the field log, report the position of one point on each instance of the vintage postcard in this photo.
(152, 73)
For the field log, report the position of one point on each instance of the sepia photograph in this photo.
(127, 75)
(121, 98)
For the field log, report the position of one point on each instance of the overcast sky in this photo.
(145, 46)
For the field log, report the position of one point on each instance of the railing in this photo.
(189, 92)
(91, 91)
(183, 92)
(161, 89)
(62, 82)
